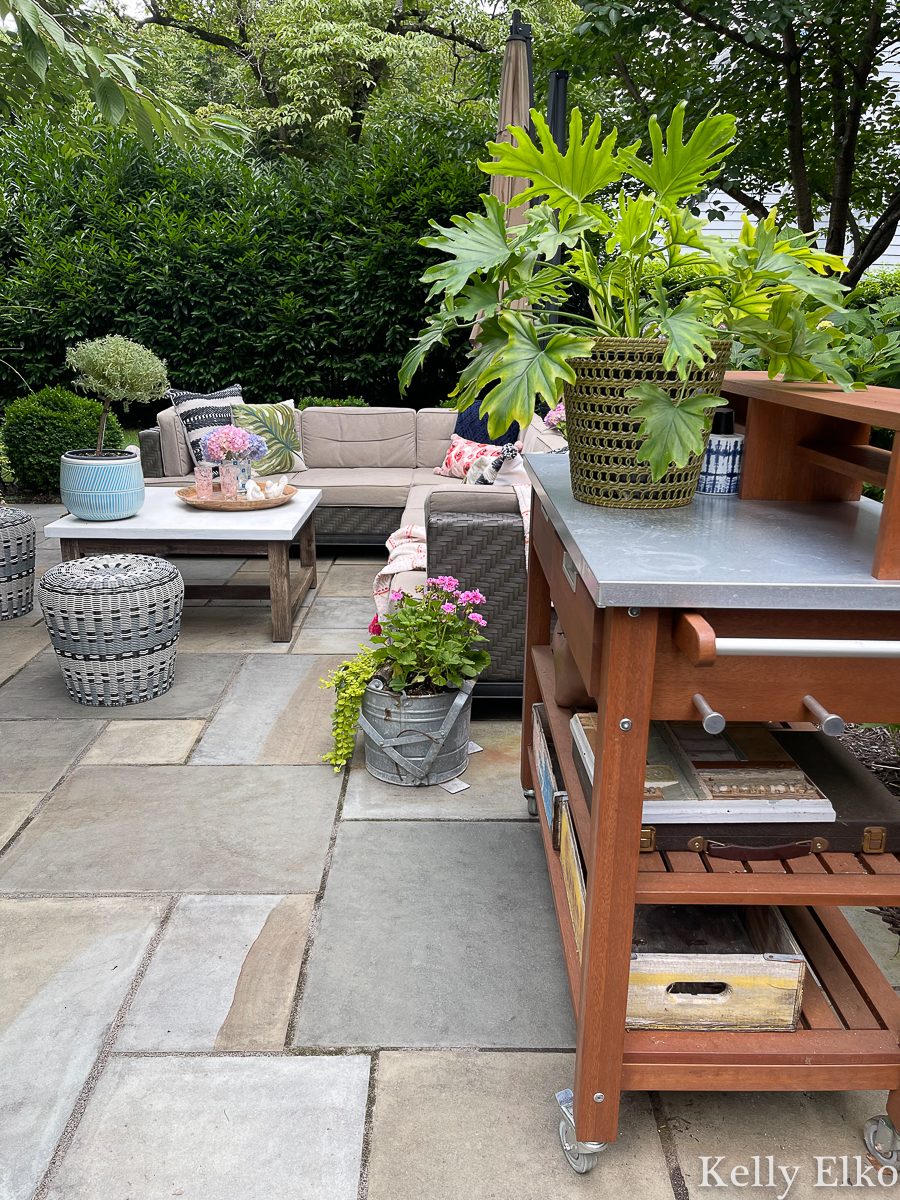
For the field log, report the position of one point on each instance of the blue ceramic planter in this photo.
(101, 489)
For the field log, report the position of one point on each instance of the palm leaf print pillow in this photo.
(275, 423)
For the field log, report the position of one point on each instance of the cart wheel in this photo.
(531, 801)
(582, 1163)
(882, 1141)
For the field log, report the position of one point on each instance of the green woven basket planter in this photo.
(603, 437)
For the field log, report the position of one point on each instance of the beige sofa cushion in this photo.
(373, 487)
(176, 457)
(539, 439)
(473, 499)
(433, 429)
(425, 477)
(172, 481)
(407, 582)
(358, 437)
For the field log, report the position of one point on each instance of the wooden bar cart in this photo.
(770, 612)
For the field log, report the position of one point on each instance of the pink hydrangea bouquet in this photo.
(230, 444)
(556, 419)
(430, 638)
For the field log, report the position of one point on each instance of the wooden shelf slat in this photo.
(677, 888)
(560, 901)
(815, 1009)
(835, 980)
(859, 963)
(559, 718)
(867, 464)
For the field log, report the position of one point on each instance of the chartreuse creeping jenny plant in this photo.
(427, 644)
(770, 291)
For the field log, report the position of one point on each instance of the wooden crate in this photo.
(750, 978)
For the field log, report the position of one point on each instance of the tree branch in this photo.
(724, 31)
(875, 243)
(457, 39)
(752, 205)
(630, 86)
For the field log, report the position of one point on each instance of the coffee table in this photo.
(166, 525)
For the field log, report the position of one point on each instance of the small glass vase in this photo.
(228, 478)
(243, 467)
(203, 480)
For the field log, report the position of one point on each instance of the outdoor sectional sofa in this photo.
(375, 467)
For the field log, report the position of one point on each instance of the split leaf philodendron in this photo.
(770, 290)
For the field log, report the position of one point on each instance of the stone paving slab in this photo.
(459, 1125)
(437, 934)
(493, 777)
(345, 642)
(349, 581)
(883, 945)
(275, 712)
(194, 829)
(230, 628)
(792, 1127)
(64, 972)
(211, 567)
(220, 1129)
(340, 612)
(20, 641)
(223, 977)
(124, 743)
(36, 753)
(40, 691)
(14, 808)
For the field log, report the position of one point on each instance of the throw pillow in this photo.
(485, 469)
(200, 413)
(474, 428)
(462, 454)
(275, 423)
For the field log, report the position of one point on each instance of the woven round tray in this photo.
(189, 496)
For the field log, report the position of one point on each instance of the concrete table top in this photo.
(718, 551)
(163, 515)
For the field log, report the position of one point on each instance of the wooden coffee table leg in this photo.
(69, 549)
(280, 590)
(307, 541)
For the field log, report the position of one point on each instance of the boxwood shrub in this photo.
(38, 429)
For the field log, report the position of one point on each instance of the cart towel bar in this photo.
(807, 647)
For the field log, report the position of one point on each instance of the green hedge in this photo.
(38, 429)
(325, 402)
(286, 278)
(876, 285)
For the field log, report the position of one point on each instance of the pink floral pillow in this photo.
(462, 454)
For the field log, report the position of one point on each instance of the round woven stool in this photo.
(113, 621)
(17, 539)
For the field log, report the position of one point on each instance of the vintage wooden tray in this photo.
(189, 496)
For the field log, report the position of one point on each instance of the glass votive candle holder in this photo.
(228, 478)
(203, 480)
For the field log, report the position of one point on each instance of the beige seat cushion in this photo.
(408, 581)
(376, 487)
(176, 457)
(350, 438)
(539, 439)
(172, 481)
(433, 429)
(425, 477)
(473, 499)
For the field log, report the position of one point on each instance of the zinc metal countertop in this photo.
(718, 552)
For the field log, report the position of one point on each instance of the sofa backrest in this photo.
(358, 437)
(434, 427)
(176, 457)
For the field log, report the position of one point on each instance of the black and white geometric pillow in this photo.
(201, 413)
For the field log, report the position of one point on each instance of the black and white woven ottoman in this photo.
(17, 541)
(113, 621)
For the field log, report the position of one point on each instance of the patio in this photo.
(232, 972)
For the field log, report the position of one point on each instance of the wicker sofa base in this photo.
(349, 525)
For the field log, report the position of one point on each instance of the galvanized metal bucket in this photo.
(416, 741)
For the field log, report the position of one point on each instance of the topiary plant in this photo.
(38, 429)
(116, 368)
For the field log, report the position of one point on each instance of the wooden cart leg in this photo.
(537, 633)
(280, 590)
(623, 726)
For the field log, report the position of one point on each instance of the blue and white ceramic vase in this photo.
(108, 488)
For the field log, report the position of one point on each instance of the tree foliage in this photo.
(818, 116)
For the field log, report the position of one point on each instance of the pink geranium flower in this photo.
(477, 618)
(448, 608)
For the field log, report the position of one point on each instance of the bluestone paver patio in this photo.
(228, 973)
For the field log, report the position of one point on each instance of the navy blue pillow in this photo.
(474, 428)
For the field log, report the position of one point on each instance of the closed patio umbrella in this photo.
(516, 102)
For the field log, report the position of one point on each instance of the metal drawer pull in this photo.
(829, 723)
(569, 569)
(808, 647)
(713, 722)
